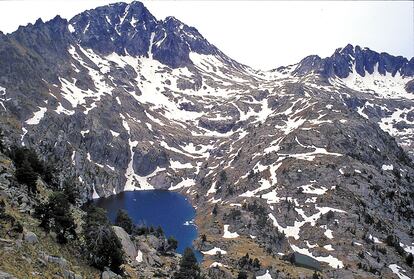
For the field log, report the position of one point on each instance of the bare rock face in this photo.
(4, 275)
(107, 274)
(127, 245)
(30, 237)
(147, 163)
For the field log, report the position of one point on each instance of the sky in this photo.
(261, 34)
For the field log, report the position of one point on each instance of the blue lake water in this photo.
(169, 210)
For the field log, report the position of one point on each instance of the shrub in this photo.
(243, 261)
(17, 227)
(140, 230)
(234, 214)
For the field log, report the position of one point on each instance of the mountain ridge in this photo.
(342, 61)
(349, 49)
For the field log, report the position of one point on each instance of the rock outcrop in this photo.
(127, 245)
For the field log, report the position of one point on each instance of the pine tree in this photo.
(214, 212)
(409, 259)
(24, 155)
(2, 146)
(34, 161)
(242, 275)
(70, 190)
(256, 263)
(159, 232)
(26, 175)
(124, 221)
(95, 216)
(103, 246)
(189, 268)
(55, 215)
(172, 243)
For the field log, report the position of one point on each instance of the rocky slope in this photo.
(313, 157)
(28, 251)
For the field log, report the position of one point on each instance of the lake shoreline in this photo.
(173, 211)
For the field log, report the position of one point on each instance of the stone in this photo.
(68, 274)
(31, 237)
(127, 245)
(107, 274)
(42, 262)
(153, 260)
(58, 260)
(4, 275)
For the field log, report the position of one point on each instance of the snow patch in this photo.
(310, 189)
(179, 165)
(217, 264)
(265, 276)
(114, 134)
(228, 234)
(139, 257)
(332, 261)
(214, 251)
(37, 117)
(71, 28)
(387, 167)
(383, 86)
(95, 194)
(398, 270)
(408, 248)
(187, 182)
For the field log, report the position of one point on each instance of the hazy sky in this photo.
(261, 34)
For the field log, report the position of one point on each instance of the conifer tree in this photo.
(189, 268)
(124, 221)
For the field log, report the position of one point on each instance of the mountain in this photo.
(350, 59)
(314, 158)
(131, 29)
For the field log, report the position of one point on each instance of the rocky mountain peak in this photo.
(131, 29)
(350, 59)
(348, 49)
(44, 37)
(39, 22)
(172, 21)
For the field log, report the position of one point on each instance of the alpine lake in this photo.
(169, 210)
